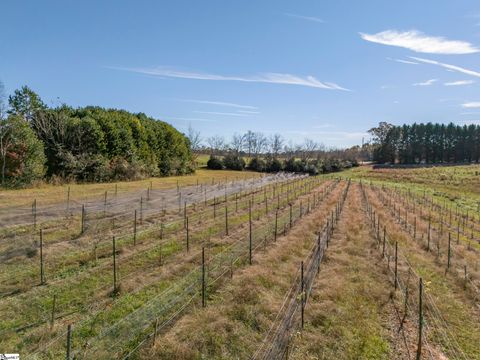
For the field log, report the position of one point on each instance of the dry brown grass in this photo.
(350, 315)
(238, 316)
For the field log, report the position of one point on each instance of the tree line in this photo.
(426, 143)
(272, 153)
(84, 144)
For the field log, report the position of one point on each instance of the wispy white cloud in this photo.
(459, 83)
(309, 18)
(471, 105)
(219, 113)
(220, 103)
(271, 78)
(248, 112)
(470, 113)
(448, 66)
(426, 83)
(403, 61)
(419, 42)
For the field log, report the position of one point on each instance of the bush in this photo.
(233, 162)
(311, 169)
(292, 165)
(257, 164)
(273, 165)
(214, 163)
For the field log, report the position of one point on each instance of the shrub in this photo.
(257, 164)
(273, 165)
(233, 162)
(214, 163)
(292, 165)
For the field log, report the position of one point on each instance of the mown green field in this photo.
(456, 185)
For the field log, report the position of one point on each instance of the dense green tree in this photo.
(428, 143)
(21, 153)
(97, 144)
(25, 102)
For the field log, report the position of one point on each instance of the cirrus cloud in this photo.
(426, 83)
(420, 42)
(471, 105)
(270, 78)
(448, 66)
(459, 83)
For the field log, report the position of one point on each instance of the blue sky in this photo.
(326, 70)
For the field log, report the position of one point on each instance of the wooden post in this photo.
(82, 222)
(34, 213)
(276, 225)
(250, 232)
(188, 236)
(226, 219)
(302, 284)
(204, 300)
(184, 213)
(328, 232)
(378, 227)
(135, 228)
(116, 189)
(396, 264)
(42, 273)
(69, 341)
(105, 203)
(449, 250)
(429, 235)
(465, 276)
(458, 233)
(266, 205)
(420, 319)
(415, 228)
(68, 199)
(291, 219)
(384, 240)
(141, 209)
(114, 266)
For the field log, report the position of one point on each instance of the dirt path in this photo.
(350, 315)
(164, 199)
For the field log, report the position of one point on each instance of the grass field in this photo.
(325, 267)
(459, 185)
(50, 194)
